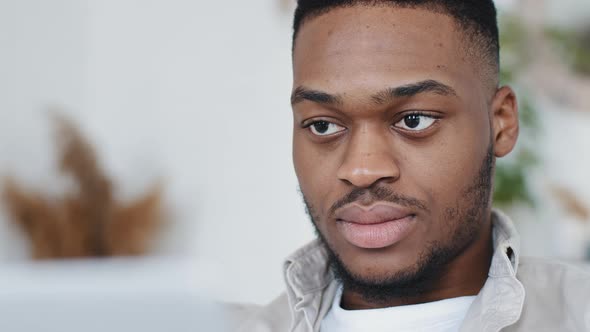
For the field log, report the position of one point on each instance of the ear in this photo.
(504, 119)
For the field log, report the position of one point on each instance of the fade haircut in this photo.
(476, 18)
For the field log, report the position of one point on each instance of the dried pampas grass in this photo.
(89, 222)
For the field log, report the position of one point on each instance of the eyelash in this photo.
(309, 124)
(418, 113)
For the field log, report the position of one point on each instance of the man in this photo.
(398, 119)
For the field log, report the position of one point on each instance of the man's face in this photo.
(392, 139)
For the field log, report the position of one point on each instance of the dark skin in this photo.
(359, 74)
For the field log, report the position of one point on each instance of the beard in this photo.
(468, 214)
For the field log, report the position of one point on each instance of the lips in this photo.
(378, 226)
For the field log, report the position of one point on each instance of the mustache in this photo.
(379, 194)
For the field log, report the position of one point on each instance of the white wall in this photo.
(42, 62)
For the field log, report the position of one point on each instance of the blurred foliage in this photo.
(511, 185)
(511, 181)
(573, 46)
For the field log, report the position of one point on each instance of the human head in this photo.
(397, 102)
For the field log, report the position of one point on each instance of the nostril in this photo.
(346, 181)
(389, 179)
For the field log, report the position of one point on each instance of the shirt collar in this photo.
(506, 246)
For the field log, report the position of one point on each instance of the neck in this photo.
(465, 275)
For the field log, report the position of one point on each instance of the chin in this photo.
(378, 271)
(374, 264)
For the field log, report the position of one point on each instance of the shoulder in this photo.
(274, 316)
(555, 278)
(557, 294)
(558, 281)
(543, 270)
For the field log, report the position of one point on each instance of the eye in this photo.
(416, 122)
(324, 128)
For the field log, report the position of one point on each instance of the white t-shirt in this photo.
(440, 316)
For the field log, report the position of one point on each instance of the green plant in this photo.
(573, 46)
(511, 181)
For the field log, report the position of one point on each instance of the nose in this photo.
(369, 159)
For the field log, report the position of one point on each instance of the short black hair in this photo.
(477, 18)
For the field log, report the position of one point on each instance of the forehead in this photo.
(368, 47)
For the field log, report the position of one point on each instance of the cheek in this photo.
(316, 172)
(445, 170)
(464, 153)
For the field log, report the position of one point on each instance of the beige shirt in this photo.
(520, 294)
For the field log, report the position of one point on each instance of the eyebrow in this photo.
(409, 90)
(300, 94)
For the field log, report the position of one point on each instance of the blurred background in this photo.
(181, 111)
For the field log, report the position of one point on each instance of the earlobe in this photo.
(505, 122)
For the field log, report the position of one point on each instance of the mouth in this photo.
(378, 226)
